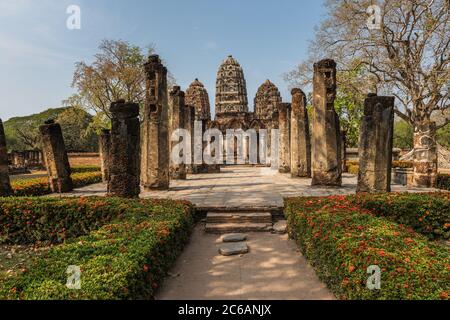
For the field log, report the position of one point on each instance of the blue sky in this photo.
(38, 52)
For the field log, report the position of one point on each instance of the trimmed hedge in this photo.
(443, 181)
(341, 240)
(39, 186)
(50, 221)
(84, 169)
(126, 258)
(428, 214)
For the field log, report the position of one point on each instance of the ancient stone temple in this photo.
(197, 96)
(5, 185)
(375, 146)
(104, 143)
(155, 136)
(326, 135)
(231, 88)
(124, 157)
(55, 155)
(300, 138)
(177, 110)
(267, 100)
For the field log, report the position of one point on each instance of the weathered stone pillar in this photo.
(5, 185)
(199, 148)
(375, 144)
(190, 127)
(344, 149)
(56, 159)
(425, 155)
(177, 121)
(124, 159)
(300, 139)
(105, 149)
(326, 135)
(155, 144)
(284, 162)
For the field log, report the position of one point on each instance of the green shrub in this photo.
(428, 214)
(39, 186)
(85, 168)
(443, 181)
(341, 240)
(50, 220)
(124, 259)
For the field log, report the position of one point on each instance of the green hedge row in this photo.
(443, 181)
(342, 240)
(39, 186)
(49, 220)
(84, 169)
(126, 258)
(428, 214)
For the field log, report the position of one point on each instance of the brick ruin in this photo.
(56, 159)
(300, 138)
(134, 154)
(326, 131)
(124, 158)
(155, 135)
(376, 142)
(177, 121)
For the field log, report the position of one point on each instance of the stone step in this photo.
(223, 228)
(239, 217)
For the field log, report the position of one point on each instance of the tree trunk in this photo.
(425, 154)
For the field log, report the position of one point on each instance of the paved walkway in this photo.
(241, 186)
(274, 269)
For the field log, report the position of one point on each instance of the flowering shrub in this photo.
(443, 181)
(341, 240)
(428, 214)
(39, 186)
(50, 220)
(126, 258)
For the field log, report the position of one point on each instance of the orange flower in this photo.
(351, 268)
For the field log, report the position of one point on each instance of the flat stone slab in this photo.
(280, 227)
(231, 249)
(234, 237)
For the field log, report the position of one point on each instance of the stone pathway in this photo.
(242, 187)
(273, 269)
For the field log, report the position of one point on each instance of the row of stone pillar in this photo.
(321, 155)
(152, 148)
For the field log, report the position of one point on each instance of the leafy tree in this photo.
(403, 135)
(407, 56)
(117, 72)
(75, 123)
(443, 136)
(22, 133)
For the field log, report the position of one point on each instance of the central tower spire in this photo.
(231, 88)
